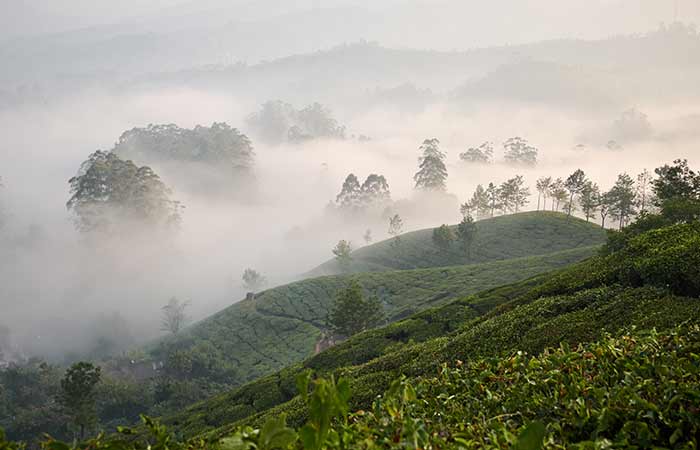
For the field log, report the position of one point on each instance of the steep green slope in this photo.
(652, 282)
(282, 326)
(499, 238)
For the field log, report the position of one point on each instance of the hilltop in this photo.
(650, 283)
(498, 238)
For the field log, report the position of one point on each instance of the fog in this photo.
(62, 293)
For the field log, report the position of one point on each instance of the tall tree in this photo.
(482, 154)
(174, 318)
(342, 252)
(574, 184)
(349, 196)
(623, 199)
(395, 229)
(480, 201)
(375, 189)
(514, 194)
(253, 280)
(644, 190)
(589, 200)
(494, 197)
(605, 202)
(466, 234)
(432, 173)
(78, 395)
(352, 312)
(519, 151)
(443, 236)
(108, 191)
(558, 193)
(543, 185)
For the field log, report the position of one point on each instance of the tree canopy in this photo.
(432, 173)
(352, 312)
(108, 192)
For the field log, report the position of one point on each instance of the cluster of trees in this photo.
(444, 237)
(109, 192)
(353, 196)
(508, 197)
(516, 151)
(219, 146)
(278, 122)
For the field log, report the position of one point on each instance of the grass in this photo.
(499, 238)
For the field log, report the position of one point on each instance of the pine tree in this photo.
(589, 200)
(623, 199)
(432, 173)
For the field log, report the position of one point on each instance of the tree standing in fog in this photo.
(395, 229)
(432, 173)
(443, 236)
(253, 280)
(174, 318)
(77, 395)
(543, 185)
(493, 195)
(342, 252)
(589, 200)
(466, 233)
(574, 184)
(622, 196)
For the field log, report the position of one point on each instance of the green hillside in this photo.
(281, 326)
(498, 238)
(651, 283)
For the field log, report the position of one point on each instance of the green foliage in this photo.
(342, 252)
(443, 236)
(432, 173)
(353, 313)
(466, 234)
(78, 394)
(499, 238)
(253, 280)
(108, 191)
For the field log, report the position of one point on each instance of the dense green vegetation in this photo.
(281, 326)
(503, 237)
(578, 304)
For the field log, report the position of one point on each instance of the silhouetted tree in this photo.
(543, 185)
(605, 201)
(623, 199)
(558, 193)
(368, 236)
(395, 229)
(513, 194)
(574, 184)
(677, 191)
(644, 191)
(432, 173)
(350, 193)
(589, 200)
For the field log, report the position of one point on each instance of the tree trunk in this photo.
(571, 204)
(538, 201)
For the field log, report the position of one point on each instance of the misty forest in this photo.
(349, 225)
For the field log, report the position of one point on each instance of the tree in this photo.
(519, 152)
(173, 318)
(605, 202)
(353, 313)
(480, 201)
(375, 190)
(395, 229)
(677, 191)
(558, 193)
(514, 194)
(543, 185)
(342, 252)
(77, 395)
(494, 197)
(466, 233)
(482, 154)
(632, 125)
(432, 173)
(574, 184)
(466, 208)
(253, 280)
(349, 196)
(623, 199)
(368, 236)
(643, 192)
(589, 199)
(108, 192)
(443, 236)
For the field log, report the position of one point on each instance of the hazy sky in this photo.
(496, 21)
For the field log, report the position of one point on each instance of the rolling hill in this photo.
(498, 238)
(283, 325)
(652, 282)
